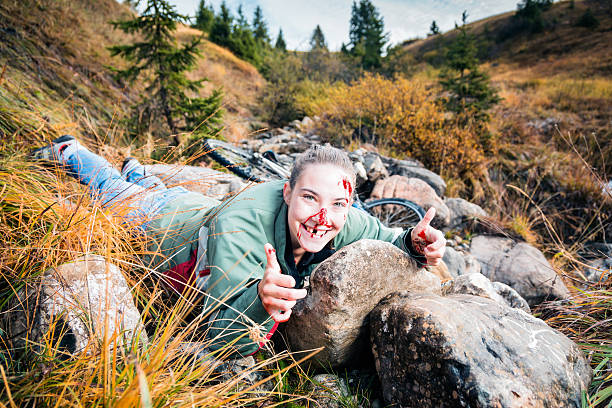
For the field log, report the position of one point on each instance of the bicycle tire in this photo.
(395, 212)
(231, 157)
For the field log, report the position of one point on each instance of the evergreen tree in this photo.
(470, 94)
(161, 64)
(280, 42)
(434, 29)
(367, 36)
(221, 30)
(317, 41)
(260, 29)
(204, 17)
(242, 21)
(242, 41)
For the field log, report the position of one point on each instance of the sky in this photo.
(404, 19)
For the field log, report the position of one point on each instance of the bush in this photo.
(403, 114)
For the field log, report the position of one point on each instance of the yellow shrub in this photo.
(400, 115)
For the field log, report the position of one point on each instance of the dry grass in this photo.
(46, 220)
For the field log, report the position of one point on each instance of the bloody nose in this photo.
(323, 216)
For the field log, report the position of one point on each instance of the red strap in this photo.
(268, 337)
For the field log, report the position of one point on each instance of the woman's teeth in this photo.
(314, 231)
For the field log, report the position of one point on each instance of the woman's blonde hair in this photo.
(322, 155)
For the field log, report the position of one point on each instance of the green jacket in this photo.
(237, 232)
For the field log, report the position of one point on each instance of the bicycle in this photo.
(258, 167)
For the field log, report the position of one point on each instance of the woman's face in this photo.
(318, 206)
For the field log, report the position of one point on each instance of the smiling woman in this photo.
(249, 255)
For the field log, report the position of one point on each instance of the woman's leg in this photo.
(134, 172)
(135, 203)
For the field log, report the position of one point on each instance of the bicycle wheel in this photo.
(232, 158)
(395, 212)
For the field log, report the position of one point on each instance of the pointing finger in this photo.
(429, 215)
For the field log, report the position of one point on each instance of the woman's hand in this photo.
(276, 290)
(427, 240)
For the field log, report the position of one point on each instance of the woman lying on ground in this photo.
(253, 252)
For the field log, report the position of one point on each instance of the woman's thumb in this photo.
(271, 257)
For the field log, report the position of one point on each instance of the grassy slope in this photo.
(53, 60)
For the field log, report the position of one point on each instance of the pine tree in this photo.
(221, 30)
(242, 41)
(280, 45)
(161, 64)
(260, 29)
(434, 29)
(317, 41)
(241, 21)
(367, 36)
(470, 94)
(204, 17)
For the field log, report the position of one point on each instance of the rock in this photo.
(463, 350)
(306, 124)
(203, 180)
(414, 169)
(598, 258)
(374, 166)
(511, 296)
(240, 373)
(461, 211)
(478, 285)
(343, 290)
(471, 264)
(328, 390)
(414, 190)
(520, 266)
(454, 261)
(441, 271)
(361, 176)
(72, 299)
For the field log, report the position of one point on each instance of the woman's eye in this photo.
(308, 197)
(340, 204)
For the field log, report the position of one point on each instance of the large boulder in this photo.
(343, 290)
(520, 266)
(414, 169)
(461, 211)
(463, 350)
(203, 180)
(478, 285)
(415, 190)
(79, 303)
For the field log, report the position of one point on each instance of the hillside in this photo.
(55, 75)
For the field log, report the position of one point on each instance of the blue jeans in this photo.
(137, 198)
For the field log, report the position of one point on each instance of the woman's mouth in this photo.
(318, 231)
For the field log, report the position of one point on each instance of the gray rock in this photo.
(462, 211)
(77, 299)
(360, 173)
(203, 180)
(478, 285)
(454, 261)
(342, 292)
(328, 390)
(511, 296)
(463, 350)
(471, 264)
(374, 166)
(414, 169)
(598, 258)
(520, 266)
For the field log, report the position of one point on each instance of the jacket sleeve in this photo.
(237, 260)
(361, 225)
